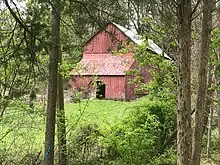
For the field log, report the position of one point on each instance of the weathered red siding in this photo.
(131, 87)
(105, 41)
(115, 85)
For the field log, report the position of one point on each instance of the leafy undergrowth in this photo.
(139, 137)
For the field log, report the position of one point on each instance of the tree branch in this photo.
(195, 7)
(14, 15)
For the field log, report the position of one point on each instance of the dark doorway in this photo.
(100, 92)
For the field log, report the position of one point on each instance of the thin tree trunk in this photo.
(209, 102)
(202, 81)
(61, 123)
(217, 79)
(184, 133)
(52, 85)
(209, 136)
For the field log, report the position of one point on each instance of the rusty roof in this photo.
(110, 65)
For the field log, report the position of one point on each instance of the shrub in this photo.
(140, 136)
(84, 148)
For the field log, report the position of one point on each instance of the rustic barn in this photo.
(101, 74)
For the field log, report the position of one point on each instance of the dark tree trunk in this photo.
(202, 81)
(52, 85)
(61, 121)
(184, 132)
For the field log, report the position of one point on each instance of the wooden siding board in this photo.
(115, 85)
(105, 41)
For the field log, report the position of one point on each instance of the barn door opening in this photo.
(100, 91)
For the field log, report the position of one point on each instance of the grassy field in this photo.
(23, 132)
(96, 111)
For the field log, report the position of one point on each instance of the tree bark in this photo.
(209, 135)
(61, 123)
(217, 81)
(184, 133)
(209, 102)
(202, 81)
(52, 85)
(61, 120)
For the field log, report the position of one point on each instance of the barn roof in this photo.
(132, 34)
(111, 65)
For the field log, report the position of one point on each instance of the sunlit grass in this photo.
(96, 111)
(23, 131)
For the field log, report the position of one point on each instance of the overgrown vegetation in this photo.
(98, 132)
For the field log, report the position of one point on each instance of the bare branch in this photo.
(195, 7)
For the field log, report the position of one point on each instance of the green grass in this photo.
(21, 131)
(28, 130)
(96, 111)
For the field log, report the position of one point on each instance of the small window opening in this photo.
(100, 92)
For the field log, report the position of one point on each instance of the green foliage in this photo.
(168, 158)
(215, 56)
(99, 132)
(163, 72)
(216, 39)
(139, 137)
(162, 31)
(84, 148)
(23, 51)
(136, 139)
(21, 132)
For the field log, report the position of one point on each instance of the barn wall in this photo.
(115, 85)
(130, 87)
(105, 41)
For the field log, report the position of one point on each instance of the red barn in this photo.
(101, 74)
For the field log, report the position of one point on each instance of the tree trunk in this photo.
(209, 136)
(61, 121)
(202, 81)
(209, 102)
(52, 85)
(217, 81)
(184, 133)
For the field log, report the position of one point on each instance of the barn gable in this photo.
(106, 40)
(109, 38)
